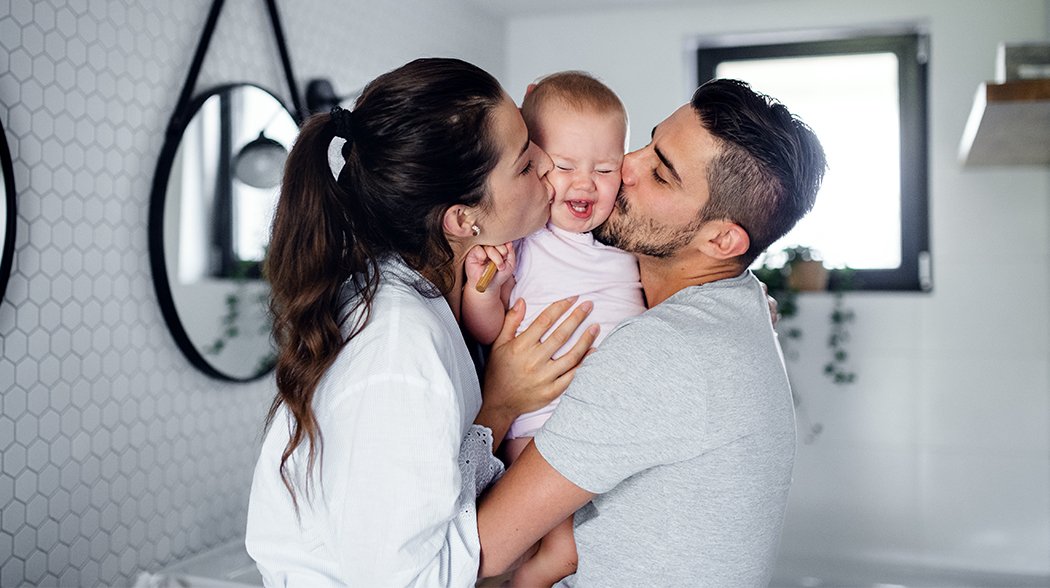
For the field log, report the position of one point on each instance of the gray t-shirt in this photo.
(683, 424)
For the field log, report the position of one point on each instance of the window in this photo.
(865, 97)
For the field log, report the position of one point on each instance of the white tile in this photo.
(878, 410)
(986, 511)
(988, 307)
(974, 206)
(883, 322)
(851, 504)
(975, 404)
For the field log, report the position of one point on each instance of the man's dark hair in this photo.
(769, 167)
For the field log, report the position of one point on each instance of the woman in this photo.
(378, 440)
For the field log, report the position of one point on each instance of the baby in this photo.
(582, 125)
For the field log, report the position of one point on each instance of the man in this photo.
(677, 436)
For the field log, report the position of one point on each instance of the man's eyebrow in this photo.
(664, 160)
(667, 164)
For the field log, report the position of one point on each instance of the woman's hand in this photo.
(479, 256)
(772, 302)
(521, 376)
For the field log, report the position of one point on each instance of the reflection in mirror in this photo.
(218, 184)
(7, 213)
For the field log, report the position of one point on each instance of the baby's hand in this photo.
(480, 256)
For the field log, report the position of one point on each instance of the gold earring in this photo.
(475, 229)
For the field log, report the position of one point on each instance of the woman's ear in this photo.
(725, 240)
(458, 223)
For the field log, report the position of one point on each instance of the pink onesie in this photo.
(554, 264)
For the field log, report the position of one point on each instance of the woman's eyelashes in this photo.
(528, 168)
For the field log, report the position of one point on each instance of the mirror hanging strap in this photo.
(286, 61)
(181, 107)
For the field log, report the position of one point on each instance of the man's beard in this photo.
(642, 236)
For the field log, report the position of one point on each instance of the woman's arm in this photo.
(398, 511)
(520, 375)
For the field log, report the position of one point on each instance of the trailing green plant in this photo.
(230, 320)
(837, 368)
(840, 318)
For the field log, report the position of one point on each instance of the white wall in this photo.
(115, 454)
(940, 453)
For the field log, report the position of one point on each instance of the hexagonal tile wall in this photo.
(116, 456)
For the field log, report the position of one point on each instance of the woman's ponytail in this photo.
(306, 266)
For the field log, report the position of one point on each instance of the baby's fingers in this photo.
(512, 256)
(495, 255)
(477, 255)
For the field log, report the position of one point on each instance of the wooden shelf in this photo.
(1008, 125)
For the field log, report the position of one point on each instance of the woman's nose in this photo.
(544, 164)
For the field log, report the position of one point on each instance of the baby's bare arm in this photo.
(483, 311)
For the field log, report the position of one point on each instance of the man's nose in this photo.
(629, 169)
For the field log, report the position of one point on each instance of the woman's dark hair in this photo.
(770, 165)
(417, 142)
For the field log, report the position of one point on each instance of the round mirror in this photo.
(7, 213)
(210, 211)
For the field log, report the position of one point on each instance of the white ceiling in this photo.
(509, 8)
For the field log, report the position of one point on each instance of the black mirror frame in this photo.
(185, 108)
(11, 214)
(158, 199)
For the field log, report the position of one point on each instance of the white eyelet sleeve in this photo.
(477, 465)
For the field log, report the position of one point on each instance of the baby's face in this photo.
(587, 150)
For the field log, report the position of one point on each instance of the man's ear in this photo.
(725, 240)
(458, 222)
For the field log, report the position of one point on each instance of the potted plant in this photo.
(803, 271)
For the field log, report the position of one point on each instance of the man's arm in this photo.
(530, 500)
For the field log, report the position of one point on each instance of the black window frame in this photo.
(911, 49)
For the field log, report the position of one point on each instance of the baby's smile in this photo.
(580, 208)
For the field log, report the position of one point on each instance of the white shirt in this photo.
(392, 495)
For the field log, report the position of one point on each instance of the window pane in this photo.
(851, 102)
